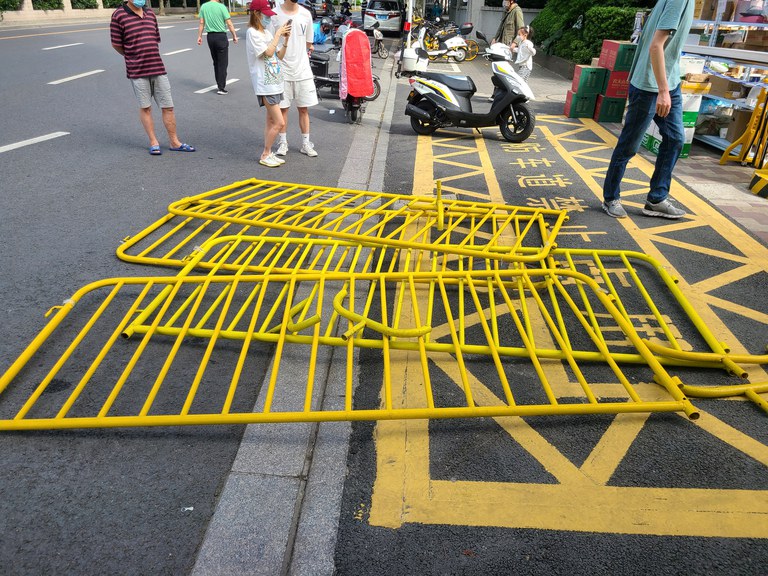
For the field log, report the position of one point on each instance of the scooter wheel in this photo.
(352, 113)
(518, 127)
(383, 52)
(461, 54)
(472, 50)
(420, 126)
(376, 91)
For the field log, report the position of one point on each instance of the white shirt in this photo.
(525, 54)
(266, 71)
(296, 60)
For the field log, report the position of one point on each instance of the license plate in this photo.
(382, 16)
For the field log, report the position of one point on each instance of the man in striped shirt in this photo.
(135, 35)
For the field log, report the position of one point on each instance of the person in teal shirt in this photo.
(215, 19)
(654, 94)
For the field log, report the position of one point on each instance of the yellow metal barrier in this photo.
(472, 229)
(190, 357)
(477, 289)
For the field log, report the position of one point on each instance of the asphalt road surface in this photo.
(597, 494)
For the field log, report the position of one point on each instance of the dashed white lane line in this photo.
(76, 77)
(214, 87)
(177, 51)
(63, 46)
(31, 141)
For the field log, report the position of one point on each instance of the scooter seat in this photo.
(322, 56)
(460, 83)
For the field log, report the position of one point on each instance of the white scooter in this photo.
(441, 100)
(451, 46)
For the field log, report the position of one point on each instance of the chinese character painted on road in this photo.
(558, 203)
(543, 180)
(532, 163)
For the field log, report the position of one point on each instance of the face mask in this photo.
(139, 3)
(265, 21)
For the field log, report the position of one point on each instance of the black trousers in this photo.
(218, 43)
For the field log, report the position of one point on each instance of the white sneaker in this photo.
(282, 150)
(309, 149)
(270, 161)
(276, 159)
(664, 209)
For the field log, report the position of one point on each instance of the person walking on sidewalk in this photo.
(135, 36)
(510, 23)
(654, 94)
(215, 20)
(299, 81)
(525, 54)
(264, 51)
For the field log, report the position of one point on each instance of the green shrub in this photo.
(9, 5)
(84, 4)
(111, 3)
(47, 5)
(575, 30)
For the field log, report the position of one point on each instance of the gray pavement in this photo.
(279, 501)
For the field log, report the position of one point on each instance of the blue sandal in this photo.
(184, 148)
(155, 151)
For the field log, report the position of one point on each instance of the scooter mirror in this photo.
(421, 53)
(480, 36)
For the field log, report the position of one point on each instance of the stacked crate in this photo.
(616, 57)
(586, 86)
(600, 91)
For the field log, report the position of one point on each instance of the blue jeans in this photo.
(641, 109)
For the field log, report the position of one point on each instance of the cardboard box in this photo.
(739, 123)
(609, 109)
(595, 62)
(697, 78)
(705, 10)
(579, 105)
(617, 55)
(695, 87)
(691, 65)
(616, 85)
(724, 87)
(691, 106)
(588, 80)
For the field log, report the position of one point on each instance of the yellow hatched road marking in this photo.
(403, 491)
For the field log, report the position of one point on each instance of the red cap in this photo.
(263, 6)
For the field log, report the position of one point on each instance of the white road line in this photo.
(177, 51)
(187, 29)
(164, 27)
(214, 87)
(83, 75)
(62, 46)
(23, 143)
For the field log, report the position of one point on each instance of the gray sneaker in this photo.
(614, 208)
(664, 209)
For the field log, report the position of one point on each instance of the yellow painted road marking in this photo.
(582, 500)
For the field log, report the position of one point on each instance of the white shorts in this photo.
(300, 93)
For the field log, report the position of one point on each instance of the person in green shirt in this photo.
(215, 19)
(510, 23)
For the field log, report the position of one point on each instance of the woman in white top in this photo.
(266, 72)
(525, 53)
